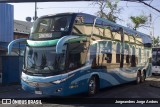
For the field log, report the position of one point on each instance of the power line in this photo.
(149, 6)
(151, 11)
(91, 7)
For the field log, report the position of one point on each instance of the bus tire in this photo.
(92, 86)
(143, 76)
(138, 78)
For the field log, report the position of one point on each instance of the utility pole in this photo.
(151, 28)
(150, 22)
(35, 17)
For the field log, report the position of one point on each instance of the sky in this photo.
(23, 10)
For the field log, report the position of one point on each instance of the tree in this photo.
(139, 21)
(108, 9)
(156, 41)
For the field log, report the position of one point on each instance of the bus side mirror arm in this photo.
(62, 41)
(10, 45)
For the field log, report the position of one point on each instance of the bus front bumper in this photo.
(55, 89)
(156, 69)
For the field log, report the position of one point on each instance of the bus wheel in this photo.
(138, 79)
(143, 76)
(92, 86)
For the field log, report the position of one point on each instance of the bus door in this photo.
(76, 55)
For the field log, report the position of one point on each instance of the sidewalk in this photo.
(154, 81)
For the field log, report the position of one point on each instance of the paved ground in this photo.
(149, 89)
(15, 91)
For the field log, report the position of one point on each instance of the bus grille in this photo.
(39, 84)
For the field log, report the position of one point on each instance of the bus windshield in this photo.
(51, 24)
(156, 58)
(44, 60)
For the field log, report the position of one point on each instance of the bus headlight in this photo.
(57, 81)
(63, 79)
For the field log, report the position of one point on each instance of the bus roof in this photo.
(146, 39)
(50, 15)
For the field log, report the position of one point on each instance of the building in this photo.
(6, 29)
(6, 25)
(10, 29)
(22, 29)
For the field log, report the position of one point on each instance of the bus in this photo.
(155, 60)
(72, 53)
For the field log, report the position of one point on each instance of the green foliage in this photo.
(156, 41)
(139, 21)
(108, 9)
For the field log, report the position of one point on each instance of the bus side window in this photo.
(133, 58)
(79, 20)
(93, 51)
(158, 58)
(127, 52)
(109, 52)
(99, 30)
(139, 58)
(118, 52)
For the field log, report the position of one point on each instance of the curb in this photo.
(155, 84)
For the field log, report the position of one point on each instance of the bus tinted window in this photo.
(76, 55)
(154, 53)
(44, 61)
(82, 25)
(109, 52)
(118, 49)
(133, 58)
(51, 24)
(156, 58)
(126, 53)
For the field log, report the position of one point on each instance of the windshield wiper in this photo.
(29, 59)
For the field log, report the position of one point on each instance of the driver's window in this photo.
(60, 24)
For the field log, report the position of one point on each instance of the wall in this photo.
(6, 22)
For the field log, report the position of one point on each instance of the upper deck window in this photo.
(52, 24)
(79, 20)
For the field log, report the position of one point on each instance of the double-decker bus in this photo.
(155, 60)
(71, 53)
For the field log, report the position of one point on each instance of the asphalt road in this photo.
(149, 89)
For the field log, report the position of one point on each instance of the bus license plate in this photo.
(38, 92)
